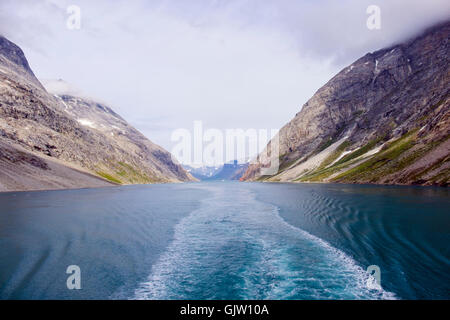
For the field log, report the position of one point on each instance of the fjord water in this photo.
(226, 240)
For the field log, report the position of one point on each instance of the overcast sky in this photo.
(232, 64)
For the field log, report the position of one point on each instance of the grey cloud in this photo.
(232, 63)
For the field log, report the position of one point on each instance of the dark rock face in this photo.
(14, 54)
(394, 93)
(12, 60)
(80, 133)
(14, 156)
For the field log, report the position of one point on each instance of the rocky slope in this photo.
(40, 131)
(384, 119)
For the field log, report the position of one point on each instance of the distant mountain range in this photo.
(203, 172)
(384, 119)
(227, 171)
(52, 140)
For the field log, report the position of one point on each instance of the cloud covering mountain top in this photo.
(231, 64)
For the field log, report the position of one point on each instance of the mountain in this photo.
(384, 119)
(231, 171)
(203, 172)
(227, 171)
(52, 141)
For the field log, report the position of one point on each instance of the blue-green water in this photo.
(226, 240)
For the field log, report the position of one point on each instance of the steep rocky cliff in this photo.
(94, 145)
(383, 119)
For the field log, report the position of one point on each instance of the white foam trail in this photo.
(365, 279)
(227, 218)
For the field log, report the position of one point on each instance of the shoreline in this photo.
(93, 187)
(187, 182)
(353, 184)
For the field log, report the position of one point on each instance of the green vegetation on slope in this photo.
(395, 156)
(334, 155)
(323, 172)
(384, 162)
(359, 152)
(123, 173)
(108, 177)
